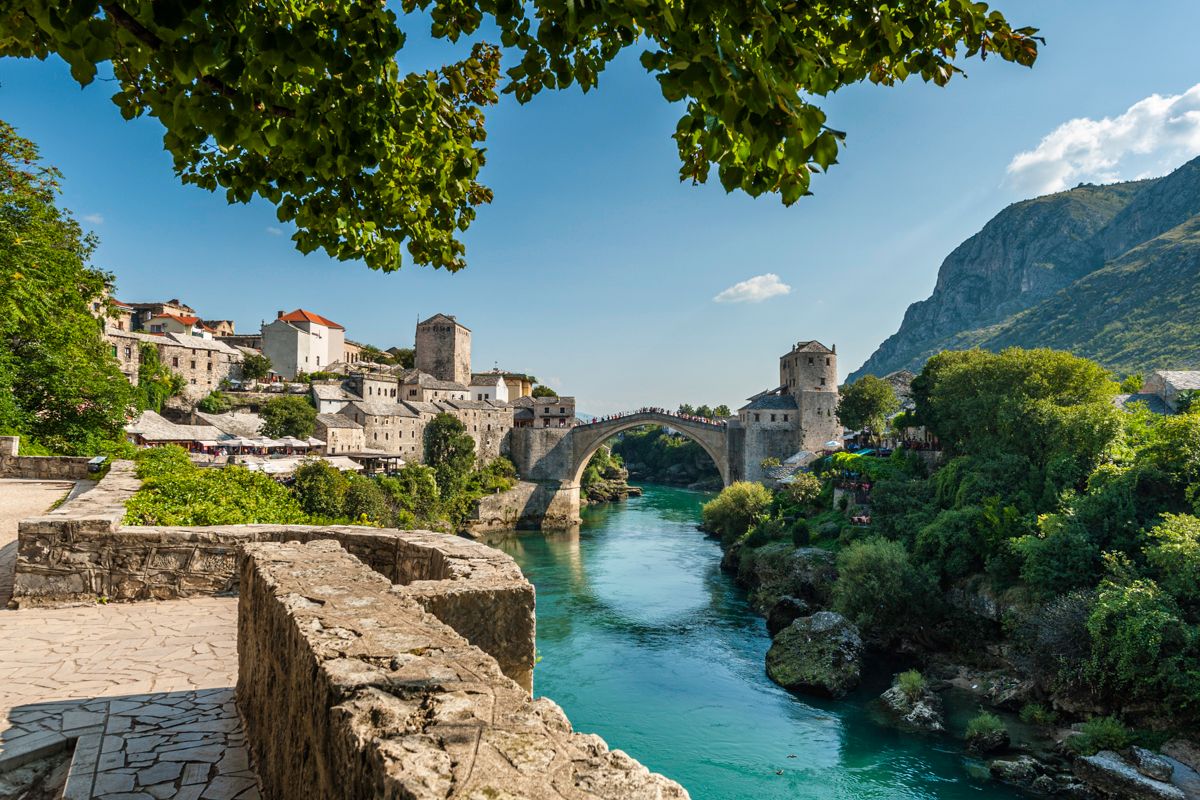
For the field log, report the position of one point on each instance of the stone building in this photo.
(443, 349)
(141, 313)
(1168, 385)
(340, 433)
(124, 347)
(800, 414)
(544, 412)
(390, 427)
(488, 386)
(202, 363)
(302, 341)
(219, 327)
(352, 352)
(421, 387)
(182, 324)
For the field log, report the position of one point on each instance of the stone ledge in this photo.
(80, 552)
(349, 688)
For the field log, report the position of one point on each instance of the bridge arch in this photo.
(587, 438)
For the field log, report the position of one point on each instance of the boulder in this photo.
(821, 654)
(988, 741)
(1021, 771)
(778, 570)
(1151, 764)
(924, 713)
(787, 610)
(1113, 776)
(1183, 751)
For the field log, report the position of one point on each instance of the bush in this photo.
(880, 590)
(320, 488)
(1037, 714)
(731, 513)
(1175, 557)
(764, 531)
(800, 533)
(365, 502)
(984, 725)
(801, 494)
(214, 402)
(288, 416)
(1142, 651)
(412, 492)
(1055, 642)
(1061, 559)
(1100, 733)
(912, 684)
(174, 492)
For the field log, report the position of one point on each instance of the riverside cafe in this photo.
(151, 429)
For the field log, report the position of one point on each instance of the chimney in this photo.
(835, 349)
(278, 314)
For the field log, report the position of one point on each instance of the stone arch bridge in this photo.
(555, 458)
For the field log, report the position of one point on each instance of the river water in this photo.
(646, 642)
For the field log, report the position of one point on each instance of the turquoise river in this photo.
(646, 642)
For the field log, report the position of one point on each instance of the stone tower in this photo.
(808, 372)
(443, 349)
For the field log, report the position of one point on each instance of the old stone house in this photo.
(389, 427)
(544, 412)
(202, 363)
(1168, 385)
(443, 349)
(302, 341)
(340, 433)
(488, 386)
(181, 324)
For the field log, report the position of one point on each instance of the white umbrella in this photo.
(833, 443)
(315, 442)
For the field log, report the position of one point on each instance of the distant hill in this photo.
(1108, 272)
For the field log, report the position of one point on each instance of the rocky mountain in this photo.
(1109, 272)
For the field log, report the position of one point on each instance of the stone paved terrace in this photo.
(144, 690)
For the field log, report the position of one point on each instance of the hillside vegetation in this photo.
(1107, 272)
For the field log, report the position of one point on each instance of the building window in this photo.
(772, 418)
(210, 366)
(785, 417)
(822, 381)
(193, 363)
(129, 352)
(756, 418)
(114, 350)
(827, 362)
(810, 360)
(174, 361)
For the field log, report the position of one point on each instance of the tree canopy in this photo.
(290, 415)
(302, 103)
(59, 383)
(866, 404)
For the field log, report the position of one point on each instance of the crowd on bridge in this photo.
(720, 423)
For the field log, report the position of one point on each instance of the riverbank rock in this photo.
(988, 741)
(779, 570)
(1112, 776)
(925, 713)
(1151, 764)
(1019, 771)
(786, 611)
(821, 654)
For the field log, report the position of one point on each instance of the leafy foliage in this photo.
(255, 366)
(156, 382)
(175, 492)
(450, 450)
(303, 103)
(543, 391)
(731, 513)
(290, 415)
(320, 488)
(881, 591)
(866, 404)
(984, 724)
(1100, 733)
(912, 683)
(59, 384)
(215, 402)
(653, 454)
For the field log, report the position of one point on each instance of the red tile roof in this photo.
(183, 320)
(300, 315)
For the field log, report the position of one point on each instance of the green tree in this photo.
(413, 494)
(1175, 557)
(59, 382)
(215, 402)
(255, 367)
(866, 404)
(731, 513)
(156, 382)
(404, 356)
(365, 500)
(303, 104)
(722, 411)
(1132, 383)
(290, 415)
(880, 590)
(544, 391)
(320, 488)
(450, 450)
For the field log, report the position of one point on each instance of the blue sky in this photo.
(596, 270)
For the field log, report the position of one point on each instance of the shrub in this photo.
(412, 492)
(1056, 644)
(800, 533)
(984, 725)
(912, 684)
(1037, 714)
(802, 493)
(1142, 651)
(1175, 557)
(1100, 733)
(880, 590)
(765, 530)
(365, 501)
(731, 513)
(288, 416)
(174, 492)
(214, 402)
(320, 488)
(1061, 559)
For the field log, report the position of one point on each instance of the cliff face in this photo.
(1084, 270)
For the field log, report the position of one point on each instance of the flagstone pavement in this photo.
(142, 691)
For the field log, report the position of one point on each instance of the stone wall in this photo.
(81, 552)
(549, 505)
(349, 689)
(42, 468)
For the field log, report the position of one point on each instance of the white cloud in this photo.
(95, 219)
(1152, 137)
(754, 290)
(271, 229)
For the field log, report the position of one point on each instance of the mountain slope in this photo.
(1105, 271)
